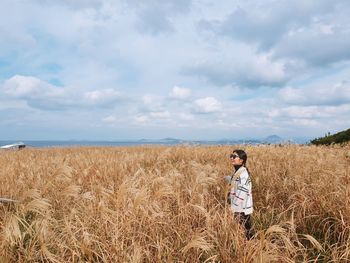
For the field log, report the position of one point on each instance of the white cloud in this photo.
(26, 86)
(303, 112)
(37, 93)
(102, 97)
(341, 110)
(180, 93)
(327, 29)
(265, 23)
(186, 116)
(239, 65)
(317, 94)
(152, 103)
(315, 31)
(109, 119)
(305, 122)
(141, 119)
(160, 114)
(311, 115)
(318, 45)
(207, 105)
(43, 95)
(155, 17)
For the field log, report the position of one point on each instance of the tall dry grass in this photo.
(167, 204)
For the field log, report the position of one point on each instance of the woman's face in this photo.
(235, 159)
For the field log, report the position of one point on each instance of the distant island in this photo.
(271, 139)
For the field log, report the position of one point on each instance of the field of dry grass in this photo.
(167, 204)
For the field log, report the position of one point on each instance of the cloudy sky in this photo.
(200, 69)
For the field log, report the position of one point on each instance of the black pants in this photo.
(246, 223)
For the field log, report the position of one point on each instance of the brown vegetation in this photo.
(167, 204)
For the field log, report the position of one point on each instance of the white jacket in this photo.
(241, 192)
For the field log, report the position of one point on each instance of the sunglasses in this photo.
(233, 156)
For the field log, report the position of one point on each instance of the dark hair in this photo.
(242, 155)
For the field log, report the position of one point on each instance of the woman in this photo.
(240, 196)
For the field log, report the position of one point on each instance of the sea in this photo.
(44, 144)
(167, 142)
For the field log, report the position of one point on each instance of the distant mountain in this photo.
(340, 137)
(171, 140)
(273, 139)
(162, 141)
(240, 141)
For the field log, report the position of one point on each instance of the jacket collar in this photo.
(240, 171)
